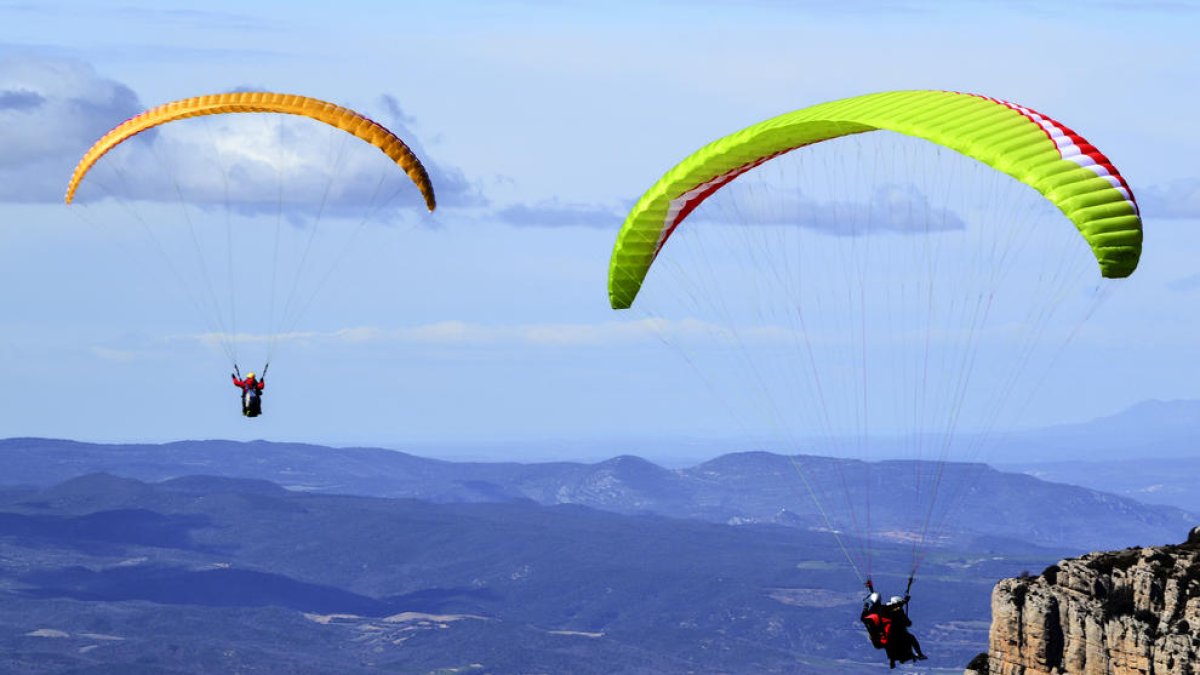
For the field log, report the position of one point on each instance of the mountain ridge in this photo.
(805, 491)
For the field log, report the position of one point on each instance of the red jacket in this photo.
(249, 383)
(879, 627)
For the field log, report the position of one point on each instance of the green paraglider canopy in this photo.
(1034, 149)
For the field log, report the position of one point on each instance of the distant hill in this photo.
(202, 574)
(1152, 428)
(1170, 482)
(740, 488)
(1157, 429)
(1149, 452)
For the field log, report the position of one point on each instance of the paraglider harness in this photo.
(888, 629)
(251, 395)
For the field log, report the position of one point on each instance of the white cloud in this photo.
(553, 213)
(892, 208)
(1185, 284)
(264, 163)
(464, 333)
(689, 331)
(1177, 199)
(52, 110)
(116, 355)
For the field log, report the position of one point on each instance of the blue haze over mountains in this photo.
(1150, 452)
(205, 574)
(214, 556)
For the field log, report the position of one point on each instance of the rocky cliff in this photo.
(1135, 611)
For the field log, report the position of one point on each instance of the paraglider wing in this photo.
(262, 102)
(1030, 147)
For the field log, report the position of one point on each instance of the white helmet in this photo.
(895, 600)
(872, 600)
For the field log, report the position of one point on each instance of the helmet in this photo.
(872, 600)
(895, 600)
(249, 376)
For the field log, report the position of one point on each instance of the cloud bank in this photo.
(1177, 199)
(53, 110)
(891, 208)
(553, 213)
(464, 333)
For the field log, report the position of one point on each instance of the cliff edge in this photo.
(1135, 611)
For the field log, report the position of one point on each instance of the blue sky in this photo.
(542, 123)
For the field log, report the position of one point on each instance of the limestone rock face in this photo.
(1130, 612)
